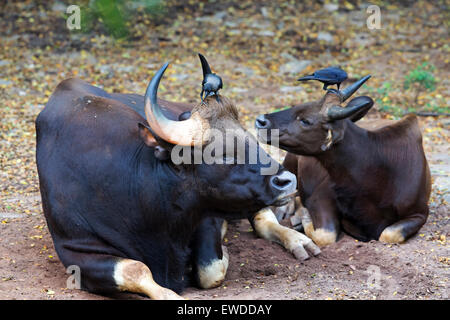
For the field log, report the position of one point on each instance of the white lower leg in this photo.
(267, 227)
(213, 274)
(320, 236)
(134, 276)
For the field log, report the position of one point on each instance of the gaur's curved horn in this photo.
(347, 92)
(338, 113)
(185, 133)
(205, 65)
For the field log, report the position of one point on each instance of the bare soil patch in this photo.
(418, 269)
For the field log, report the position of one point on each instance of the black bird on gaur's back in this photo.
(328, 76)
(211, 83)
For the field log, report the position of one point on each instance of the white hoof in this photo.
(213, 274)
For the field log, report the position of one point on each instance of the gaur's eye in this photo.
(304, 122)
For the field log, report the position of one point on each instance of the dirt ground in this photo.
(254, 47)
(418, 269)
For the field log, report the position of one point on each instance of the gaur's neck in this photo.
(350, 152)
(168, 195)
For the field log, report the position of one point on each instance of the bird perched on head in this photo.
(328, 76)
(211, 83)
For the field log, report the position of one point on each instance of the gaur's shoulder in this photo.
(405, 128)
(408, 125)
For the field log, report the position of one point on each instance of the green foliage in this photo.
(418, 80)
(111, 13)
(385, 89)
(383, 101)
(116, 15)
(434, 108)
(422, 76)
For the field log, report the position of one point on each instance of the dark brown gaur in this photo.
(372, 181)
(131, 218)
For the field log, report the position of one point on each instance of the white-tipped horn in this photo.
(186, 133)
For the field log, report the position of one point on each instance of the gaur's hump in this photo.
(70, 84)
(80, 88)
(406, 128)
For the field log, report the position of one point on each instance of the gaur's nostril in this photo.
(285, 181)
(281, 182)
(262, 122)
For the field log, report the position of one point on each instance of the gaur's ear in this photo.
(147, 136)
(329, 139)
(334, 133)
(149, 139)
(364, 101)
(158, 141)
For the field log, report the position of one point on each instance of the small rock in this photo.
(181, 77)
(234, 32)
(230, 24)
(294, 67)
(325, 36)
(5, 82)
(126, 68)
(59, 7)
(104, 69)
(263, 25)
(266, 33)
(288, 56)
(151, 65)
(246, 71)
(239, 90)
(220, 15)
(330, 7)
(286, 89)
(10, 215)
(214, 18)
(264, 12)
(43, 14)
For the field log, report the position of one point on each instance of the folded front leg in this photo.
(134, 276)
(321, 233)
(267, 227)
(403, 229)
(210, 258)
